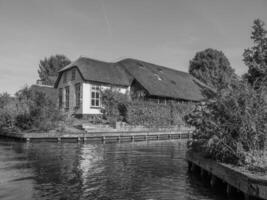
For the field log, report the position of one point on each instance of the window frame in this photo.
(77, 95)
(95, 89)
(73, 74)
(65, 77)
(60, 98)
(67, 97)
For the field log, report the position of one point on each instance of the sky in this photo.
(164, 32)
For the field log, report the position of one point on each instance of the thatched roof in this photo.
(98, 71)
(163, 81)
(157, 80)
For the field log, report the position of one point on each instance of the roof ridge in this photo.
(167, 68)
(93, 59)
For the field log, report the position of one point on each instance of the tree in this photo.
(49, 67)
(36, 111)
(4, 99)
(256, 57)
(212, 68)
(231, 127)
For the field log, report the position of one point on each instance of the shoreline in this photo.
(251, 185)
(98, 135)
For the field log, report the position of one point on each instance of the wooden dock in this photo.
(118, 136)
(250, 185)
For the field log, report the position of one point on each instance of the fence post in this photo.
(265, 149)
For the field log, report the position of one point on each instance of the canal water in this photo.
(68, 171)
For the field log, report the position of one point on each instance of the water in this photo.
(142, 171)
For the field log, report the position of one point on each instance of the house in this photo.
(79, 84)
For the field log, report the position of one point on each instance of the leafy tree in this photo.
(256, 57)
(113, 104)
(36, 111)
(231, 127)
(212, 68)
(4, 99)
(49, 67)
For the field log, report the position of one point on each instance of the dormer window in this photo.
(73, 73)
(159, 70)
(140, 65)
(158, 77)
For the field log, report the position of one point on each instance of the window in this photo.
(64, 77)
(67, 97)
(95, 96)
(77, 94)
(73, 73)
(60, 97)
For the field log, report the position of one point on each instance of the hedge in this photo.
(151, 114)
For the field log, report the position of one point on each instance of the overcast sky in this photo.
(165, 32)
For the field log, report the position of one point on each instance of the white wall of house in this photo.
(85, 93)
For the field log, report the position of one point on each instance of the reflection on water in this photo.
(143, 170)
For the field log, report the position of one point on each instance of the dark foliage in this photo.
(49, 67)
(256, 57)
(34, 110)
(231, 127)
(212, 68)
(117, 107)
(114, 105)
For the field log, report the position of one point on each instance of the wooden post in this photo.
(228, 189)
(213, 180)
(246, 196)
(193, 167)
(189, 164)
(265, 149)
(202, 172)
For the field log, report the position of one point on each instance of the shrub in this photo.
(113, 105)
(8, 111)
(117, 107)
(148, 114)
(151, 114)
(36, 111)
(24, 121)
(231, 126)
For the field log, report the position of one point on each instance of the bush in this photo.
(152, 114)
(8, 111)
(231, 126)
(118, 107)
(36, 111)
(113, 105)
(148, 114)
(24, 121)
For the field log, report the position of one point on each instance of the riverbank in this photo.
(137, 134)
(252, 185)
